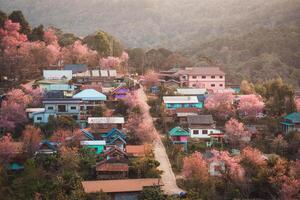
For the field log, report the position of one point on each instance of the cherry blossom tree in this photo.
(236, 132)
(151, 78)
(220, 104)
(31, 139)
(78, 53)
(195, 167)
(279, 145)
(110, 62)
(233, 169)
(36, 94)
(297, 102)
(250, 105)
(254, 156)
(6, 148)
(12, 112)
(124, 57)
(50, 38)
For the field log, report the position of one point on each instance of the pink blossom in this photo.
(124, 57)
(254, 155)
(195, 167)
(297, 102)
(250, 105)
(221, 104)
(50, 37)
(110, 62)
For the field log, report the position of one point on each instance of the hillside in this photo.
(259, 55)
(159, 23)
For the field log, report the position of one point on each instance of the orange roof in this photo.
(187, 110)
(135, 150)
(122, 185)
(112, 167)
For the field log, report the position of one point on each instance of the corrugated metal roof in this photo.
(90, 95)
(92, 142)
(201, 71)
(200, 119)
(180, 99)
(191, 91)
(76, 68)
(293, 117)
(106, 120)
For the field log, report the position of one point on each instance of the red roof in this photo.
(187, 110)
(123, 185)
(135, 150)
(112, 167)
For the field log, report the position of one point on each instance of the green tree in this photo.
(37, 34)
(279, 96)
(152, 193)
(99, 42)
(17, 16)
(3, 17)
(67, 39)
(97, 111)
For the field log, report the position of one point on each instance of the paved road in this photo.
(168, 177)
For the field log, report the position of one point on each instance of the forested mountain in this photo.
(159, 23)
(259, 55)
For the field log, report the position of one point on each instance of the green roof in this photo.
(178, 131)
(293, 117)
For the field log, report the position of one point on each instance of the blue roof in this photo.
(90, 95)
(76, 68)
(111, 141)
(113, 132)
(87, 134)
(293, 117)
(51, 145)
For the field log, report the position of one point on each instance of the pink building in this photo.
(210, 78)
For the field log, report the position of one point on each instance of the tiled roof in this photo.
(200, 119)
(187, 110)
(201, 71)
(178, 131)
(123, 185)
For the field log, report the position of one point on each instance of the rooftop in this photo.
(200, 119)
(112, 186)
(191, 91)
(92, 142)
(106, 120)
(90, 95)
(293, 117)
(201, 71)
(180, 99)
(178, 131)
(76, 68)
(136, 150)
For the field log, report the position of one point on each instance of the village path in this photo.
(168, 178)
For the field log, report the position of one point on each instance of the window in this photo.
(81, 108)
(195, 132)
(194, 77)
(221, 76)
(203, 77)
(39, 118)
(204, 132)
(213, 77)
(73, 107)
(221, 85)
(212, 85)
(50, 108)
(61, 108)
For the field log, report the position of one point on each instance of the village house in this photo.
(130, 188)
(114, 164)
(120, 92)
(183, 113)
(105, 124)
(97, 145)
(291, 122)
(179, 136)
(76, 68)
(115, 137)
(47, 147)
(215, 167)
(210, 78)
(95, 76)
(135, 150)
(174, 102)
(204, 127)
(14, 158)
